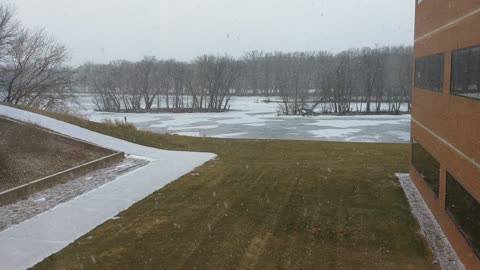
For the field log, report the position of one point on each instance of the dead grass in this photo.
(262, 204)
(123, 125)
(28, 152)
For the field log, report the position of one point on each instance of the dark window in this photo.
(465, 212)
(429, 72)
(466, 72)
(427, 166)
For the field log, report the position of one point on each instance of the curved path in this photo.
(27, 243)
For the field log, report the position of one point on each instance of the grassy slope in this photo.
(34, 153)
(261, 205)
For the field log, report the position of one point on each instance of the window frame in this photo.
(435, 192)
(450, 177)
(452, 72)
(442, 79)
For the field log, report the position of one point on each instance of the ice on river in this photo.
(250, 118)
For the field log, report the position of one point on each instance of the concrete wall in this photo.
(24, 191)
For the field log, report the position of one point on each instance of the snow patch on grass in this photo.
(188, 133)
(229, 135)
(326, 133)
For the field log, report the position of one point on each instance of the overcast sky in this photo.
(104, 30)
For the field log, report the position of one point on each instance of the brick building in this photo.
(445, 149)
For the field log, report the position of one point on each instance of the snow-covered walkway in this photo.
(27, 243)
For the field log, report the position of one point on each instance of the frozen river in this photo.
(253, 119)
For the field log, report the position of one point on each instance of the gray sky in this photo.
(104, 30)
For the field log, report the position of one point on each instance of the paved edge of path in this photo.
(25, 244)
(46, 199)
(443, 251)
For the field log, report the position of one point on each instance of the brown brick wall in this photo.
(464, 172)
(432, 14)
(455, 119)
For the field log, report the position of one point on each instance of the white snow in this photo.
(255, 119)
(229, 135)
(193, 127)
(325, 133)
(401, 134)
(179, 121)
(188, 133)
(241, 120)
(364, 138)
(255, 124)
(347, 123)
(27, 243)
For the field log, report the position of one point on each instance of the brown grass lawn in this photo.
(262, 204)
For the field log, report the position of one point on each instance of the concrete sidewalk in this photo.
(25, 244)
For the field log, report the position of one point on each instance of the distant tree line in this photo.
(33, 66)
(204, 84)
(34, 71)
(368, 80)
(355, 80)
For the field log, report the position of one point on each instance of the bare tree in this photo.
(9, 29)
(370, 71)
(34, 72)
(100, 82)
(353, 81)
(147, 72)
(219, 75)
